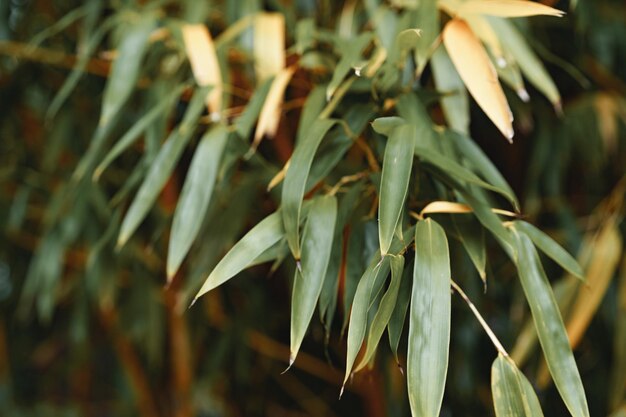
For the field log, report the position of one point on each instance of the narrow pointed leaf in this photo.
(204, 64)
(296, 178)
(269, 44)
(162, 167)
(482, 164)
(126, 67)
(317, 241)
(195, 196)
(138, 128)
(385, 310)
(396, 322)
(548, 246)
(508, 8)
(550, 328)
(245, 122)
(386, 125)
(259, 239)
(513, 396)
(530, 64)
(478, 74)
(455, 105)
(394, 182)
(429, 326)
(472, 237)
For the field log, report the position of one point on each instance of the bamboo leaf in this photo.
(296, 178)
(472, 237)
(243, 123)
(508, 8)
(259, 239)
(127, 66)
(427, 19)
(394, 182)
(478, 74)
(269, 45)
(351, 55)
(138, 128)
(513, 396)
(482, 164)
(195, 196)
(550, 329)
(385, 311)
(386, 125)
(429, 326)
(446, 207)
(270, 112)
(161, 168)
(551, 248)
(396, 322)
(456, 104)
(529, 63)
(607, 252)
(317, 241)
(204, 64)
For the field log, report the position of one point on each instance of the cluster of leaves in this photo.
(370, 247)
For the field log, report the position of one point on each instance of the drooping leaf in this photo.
(259, 239)
(455, 105)
(551, 248)
(481, 163)
(526, 58)
(429, 326)
(127, 66)
(607, 252)
(296, 178)
(472, 237)
(195, 196)
(204, 63)
(317, 241)
(394, 183)
(550, 328)
(513, 396)
(427, 20)
(386, 125)
(508, 8)
(385, 311)
(138, 128)
(396, 322)
(245, 122)
(269, 44)
(478, 74)
(351, 56)
(162, 167)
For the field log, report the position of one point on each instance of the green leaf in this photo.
(396, 322)
(317, 241)
(259, 239)
(526, 58)
(482, 164)
(377, 270)
(195, 196)
(386, 125)
(513, 396)
(162, 167)
(550, 329)
(472, 236)
(127, 65)
(455, 105)
(551, 248)
(245, 122)
(296, 178)
(163, 104)
(315, 102)
(385, 311)
(351, 55)
(426, 19)
(429, 325)
(394, 183)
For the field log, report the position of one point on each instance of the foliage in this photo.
(227, 154)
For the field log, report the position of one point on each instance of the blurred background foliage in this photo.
(91, 329)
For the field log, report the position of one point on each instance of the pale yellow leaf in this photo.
(507, 8)
(270, 112)
(481, 27)
(446, 207)
(269, 44)
(279, 177)
(204, 64)
(478, 73)
(606, 113)
(607, 252)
